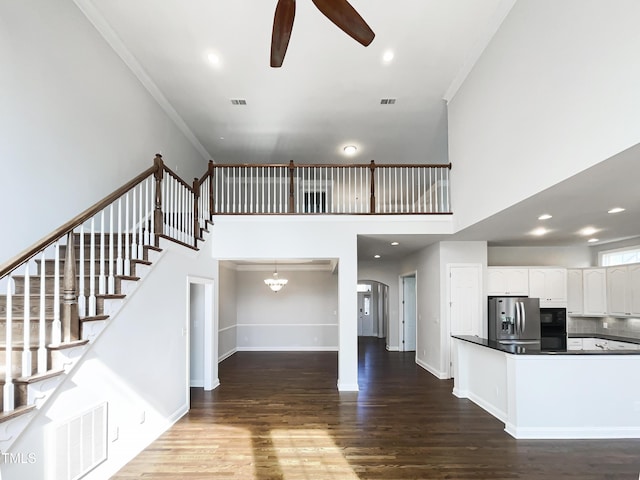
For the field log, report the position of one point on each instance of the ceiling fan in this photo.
(340, 12)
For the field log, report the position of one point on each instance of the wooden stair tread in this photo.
(94, 318)
(66, 345)
(167, 237)
(16, 412)
(37, 377)
(114, 296)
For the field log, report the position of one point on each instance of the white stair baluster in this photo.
(119, 267)
(102, 277)
(140, 224)
(56, 326)
(42, 331)
(148, 212)
(134, 241)
(26, 346)
(152, 226)
(82, 299)
(127, 250)
(111, 281)
(8, 391)
(92, 270)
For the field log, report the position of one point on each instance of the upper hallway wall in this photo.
(75, 123)
(555, 92)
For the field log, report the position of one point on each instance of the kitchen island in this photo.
(551, 394)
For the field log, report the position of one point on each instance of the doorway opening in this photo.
(202, 363)
(373, 309)
(408, 309)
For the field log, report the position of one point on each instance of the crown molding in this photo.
(111, 37)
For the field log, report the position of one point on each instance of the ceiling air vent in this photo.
(238, 101)
(387, 101)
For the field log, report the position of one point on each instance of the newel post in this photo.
(196, 212)
(211, 171)
(70, 318)
(291, 196)
(372, 206)
(158, 220)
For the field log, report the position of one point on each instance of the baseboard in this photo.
(431, 370)
(393, 349)
(348, 387)
(196, 383)
(571, 433)
(287, 349)
(486, 406)
(227, 355)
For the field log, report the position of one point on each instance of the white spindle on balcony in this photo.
(133, 229)
(141, 217)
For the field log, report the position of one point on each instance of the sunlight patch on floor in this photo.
(310, 454)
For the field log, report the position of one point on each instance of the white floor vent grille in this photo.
(80, 444)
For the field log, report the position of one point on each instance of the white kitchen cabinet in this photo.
(549, 285)
(507, 281)
(594, 282)
(575, 297)
(623, 290)
(574, 343)
(618, 291)
(594, 344)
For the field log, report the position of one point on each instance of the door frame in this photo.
(446, 342)
(401, 323)
(210, 329)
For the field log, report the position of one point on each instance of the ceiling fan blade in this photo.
(347, 19)
(282, 26)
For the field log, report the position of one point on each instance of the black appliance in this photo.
(553, 329)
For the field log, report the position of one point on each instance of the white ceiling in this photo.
(327, 95)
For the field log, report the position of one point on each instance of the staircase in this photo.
(57, 296)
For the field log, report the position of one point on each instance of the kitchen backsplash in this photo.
(619, 327)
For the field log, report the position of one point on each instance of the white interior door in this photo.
(409, 308)
(465, 303)
(365, 315)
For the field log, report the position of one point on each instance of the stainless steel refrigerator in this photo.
(514, 319)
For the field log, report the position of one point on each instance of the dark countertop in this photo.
(534, 349)
(605, 337)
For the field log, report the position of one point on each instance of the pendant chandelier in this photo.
(275, 283)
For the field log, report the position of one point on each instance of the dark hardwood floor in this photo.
(280, 416)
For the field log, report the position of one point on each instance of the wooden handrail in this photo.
(206, 174)
(181, 181)
(330, 165)
(67, 227)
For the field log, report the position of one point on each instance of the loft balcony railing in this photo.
(330, 189)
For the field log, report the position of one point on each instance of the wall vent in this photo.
(79, 444)
(388, 101)
(238, 101)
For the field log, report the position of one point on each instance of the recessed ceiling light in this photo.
(593, 240)
(387, 56)
(376, 256)
(616, 210)
(539, 231)
(395, 243)
(588, 231)
(214, 59)
(350, 150)
(545, 216)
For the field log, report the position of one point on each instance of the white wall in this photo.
(301, 316)
(555, 92)
(539, 256)
(75, 124)
(227, 310)
(139, 365)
